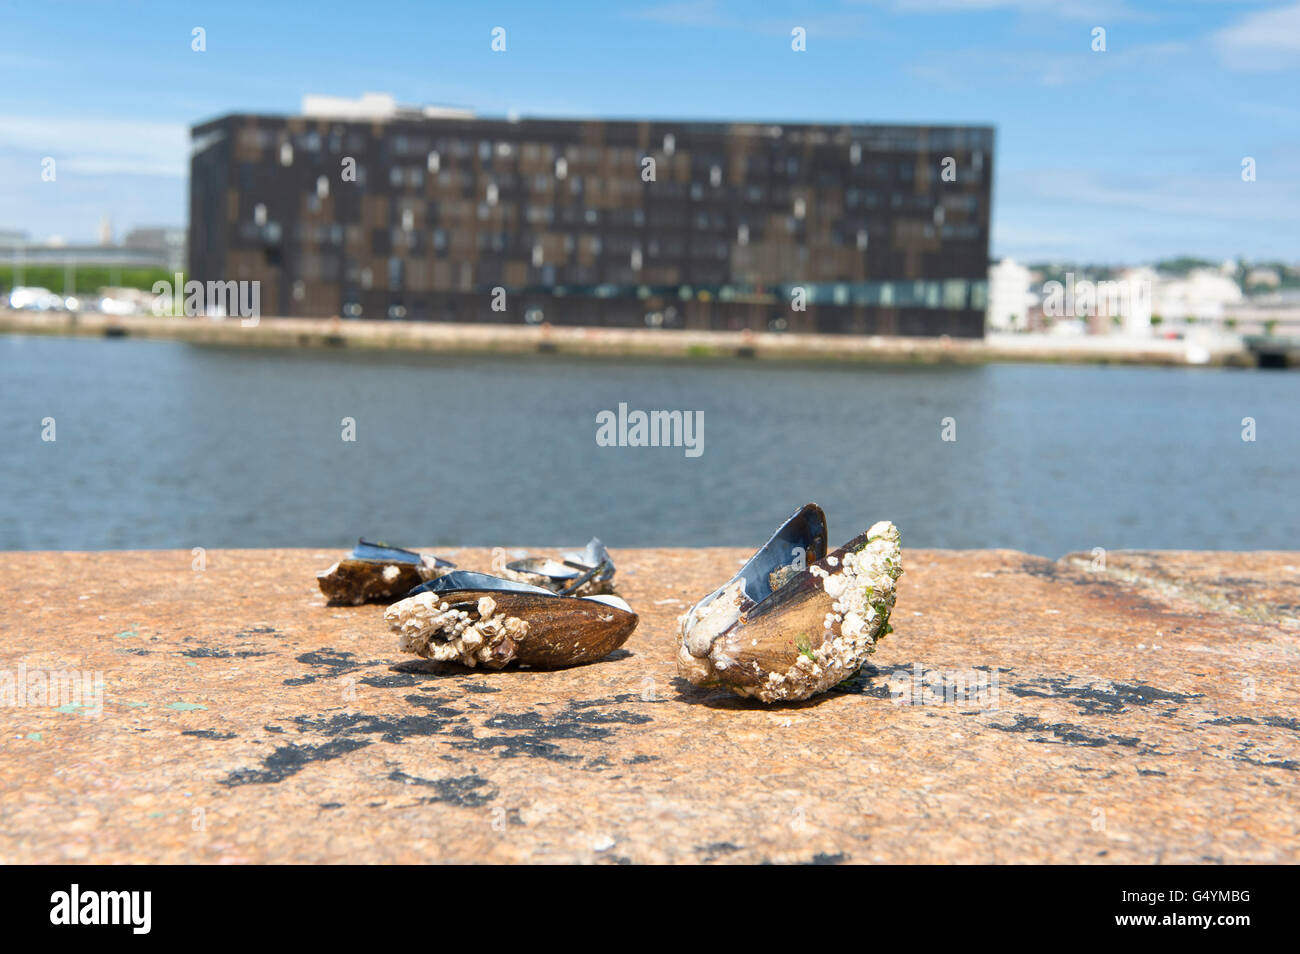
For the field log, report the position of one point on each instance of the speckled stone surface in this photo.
(1023, 710)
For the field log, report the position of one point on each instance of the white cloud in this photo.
(1010, 68)
(1142, 215)
(1223, 197)
(100, 146)
(1265, 40)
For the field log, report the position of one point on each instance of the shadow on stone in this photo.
(419, 669)
(717, 698)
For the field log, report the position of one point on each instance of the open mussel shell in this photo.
(376, 572)
(476, 619)
(383, 553)
(795, 620)
(581, 573)
(799, 541)
(594, 555)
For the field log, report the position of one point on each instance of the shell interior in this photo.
(574, 564)
(544, 566)
(369, 552)
(798, 543)
(609, 599)
(382, 553)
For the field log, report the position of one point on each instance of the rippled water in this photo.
(161, 444)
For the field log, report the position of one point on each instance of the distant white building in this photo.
(1009, 296)
(1204, 294)
(375, 106)
(1263, 277)
(1140, 285)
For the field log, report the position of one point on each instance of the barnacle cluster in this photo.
(861, 586)
(471, 634)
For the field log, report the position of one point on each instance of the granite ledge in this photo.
(1140, 710)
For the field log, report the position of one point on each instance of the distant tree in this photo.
(1182, 265)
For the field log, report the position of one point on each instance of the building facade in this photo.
(427, 215)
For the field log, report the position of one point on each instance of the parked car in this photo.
(31, 298)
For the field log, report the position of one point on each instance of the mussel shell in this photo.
(594, 555)
(804, 531)
(574, 564)
(466, 580)
(806, 631)
(545, 566)
(383, 553)
(783, 626)
(353, 582)
(376, 572)
(562, 630)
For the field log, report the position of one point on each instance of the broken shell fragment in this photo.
(795, 620)
(577, 573)
(479, 620)
(375, 572)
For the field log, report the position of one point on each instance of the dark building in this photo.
(426, 215)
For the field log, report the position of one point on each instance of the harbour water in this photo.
(166, 444)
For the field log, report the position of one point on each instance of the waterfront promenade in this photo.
(1140, 713)
(449, 338)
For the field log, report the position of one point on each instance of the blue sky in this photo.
(1131, 154)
